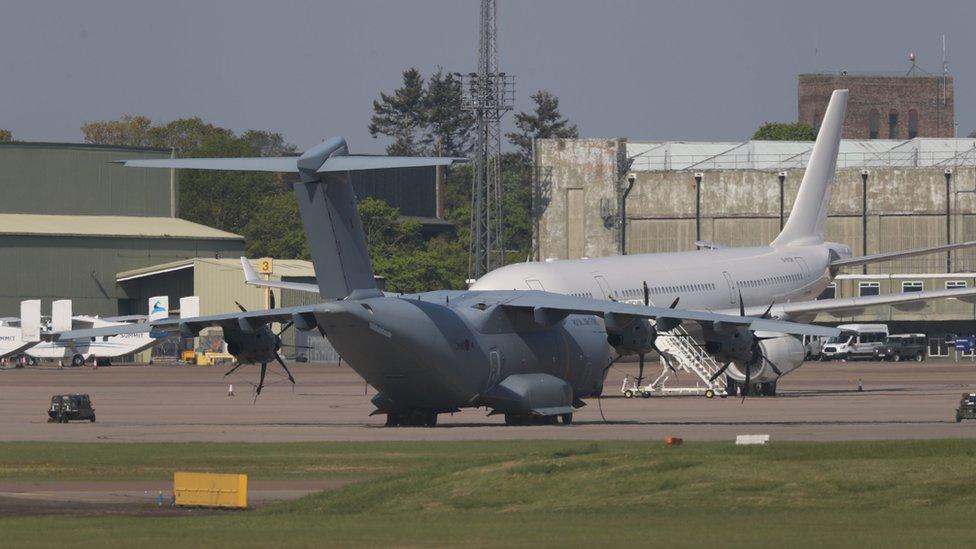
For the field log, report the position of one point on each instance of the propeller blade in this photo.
(720, 371)
(241, 307)
(271, 300)
(742, 305)
(640, 372)
(667, 359)
(264, 370)
(287, 371)
(773, 366)
(647, 295)
(286, 326)
(231, 371)
(745, 387)
(675, 302)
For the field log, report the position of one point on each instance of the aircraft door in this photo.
(604, 286)
(494, 367)
(728, 281)
(534, 284)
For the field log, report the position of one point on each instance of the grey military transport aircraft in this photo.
(530, 355)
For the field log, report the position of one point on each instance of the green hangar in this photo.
(70, 220)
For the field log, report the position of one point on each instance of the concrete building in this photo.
(70, 220)
(882, 106)
(888, 195)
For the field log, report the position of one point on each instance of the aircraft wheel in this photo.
(919, 357)
(77, 360)
(646, 394)
(566, 419)
(628, 394)
(709, 393)
(896, 358)
(93, 419)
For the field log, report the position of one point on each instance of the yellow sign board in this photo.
(265, 266)
(210, 490)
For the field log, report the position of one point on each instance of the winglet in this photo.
(250, 275)
(251, 278)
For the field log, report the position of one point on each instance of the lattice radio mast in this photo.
(489, 94)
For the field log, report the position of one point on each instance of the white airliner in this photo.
(788, 274)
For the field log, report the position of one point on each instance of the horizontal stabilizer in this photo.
(289, 164)
(258, 164)
(888, 256)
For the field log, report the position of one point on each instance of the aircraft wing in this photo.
(248, 321)
(888, 256)
(852, 305)
(545, 306)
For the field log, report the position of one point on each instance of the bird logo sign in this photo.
(158, 307)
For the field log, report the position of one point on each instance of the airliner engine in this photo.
(784, 353)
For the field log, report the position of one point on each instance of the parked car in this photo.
(856, 341)
(903, 347)
(65, 408)
(967, 407)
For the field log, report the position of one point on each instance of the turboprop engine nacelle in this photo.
(630, 335)
(259, 346)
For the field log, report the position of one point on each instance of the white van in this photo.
(855, 341)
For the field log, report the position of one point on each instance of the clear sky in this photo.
(683, 69)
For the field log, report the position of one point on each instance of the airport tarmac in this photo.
(190, 403)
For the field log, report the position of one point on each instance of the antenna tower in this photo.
(489, 94)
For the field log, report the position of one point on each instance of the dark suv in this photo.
(967, 407)
(65, 408)
(902, 347)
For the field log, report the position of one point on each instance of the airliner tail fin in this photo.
(808, 218)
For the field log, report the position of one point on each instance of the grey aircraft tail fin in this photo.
(808, 218)
(326, 203)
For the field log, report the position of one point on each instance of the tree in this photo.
(5, 135)
(544, 122)
(783, 131)
(128, 130)
(449, 126)
(276, 229)
(401, 116)
(239, 202)
(972, 134)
